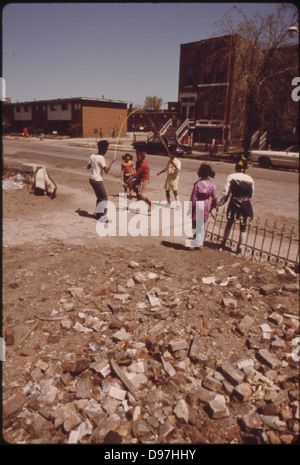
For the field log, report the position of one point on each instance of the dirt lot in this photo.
(56, 268)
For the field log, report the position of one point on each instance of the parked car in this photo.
(157, 145)
(288, 158)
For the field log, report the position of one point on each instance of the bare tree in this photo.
(267, 59)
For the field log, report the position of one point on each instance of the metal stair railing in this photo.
(182, 130)
(164, 129)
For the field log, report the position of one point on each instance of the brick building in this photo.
(79, 117)
(146, 120)
(207, 94)
(212, 93)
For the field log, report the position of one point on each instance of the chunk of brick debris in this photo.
(243, 392)
(168, 367)
(13, 404)
(197, 351)
(253, 342)
(181, 411)
(76, 366)
(201, 396)
(245, 325)
(217, 408)
(131, 325)
(212, 383)
(274, 422)
(269, 359)
(276, 318)
(120, 336)
(66, 324)
(102, 367)
(133, 265)
(232, 374)
(292, 287)
(140, 428)
(83, 387)
(139, 277)
(177, 345)
(250, 422)
(279, 398)
(229, 302)
(9, 336)
(117, 393)
(48, 393)
(269, 289)
(165, 429)
(277, 344)
(130, 283)
(153, 299)
(245, 363)
(75, 291)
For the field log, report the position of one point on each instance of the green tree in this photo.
(153, 103)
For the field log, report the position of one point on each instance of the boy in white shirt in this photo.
(98, 166)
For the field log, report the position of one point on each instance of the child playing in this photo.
(172, 168)
(127, 170)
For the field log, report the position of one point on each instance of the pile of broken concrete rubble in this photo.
(148, 362)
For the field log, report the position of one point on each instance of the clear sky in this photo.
(122, 51)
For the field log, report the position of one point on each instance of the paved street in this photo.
(276, 191)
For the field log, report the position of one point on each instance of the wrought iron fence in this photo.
(263, 243)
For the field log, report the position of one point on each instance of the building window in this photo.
(52, 107)
(26, 109)
(205, 110)
(188, 80)
(207, 73)
(18, 109)
(220, 73)
(64, 106)
(77, 106)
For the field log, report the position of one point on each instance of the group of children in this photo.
(239, 188)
